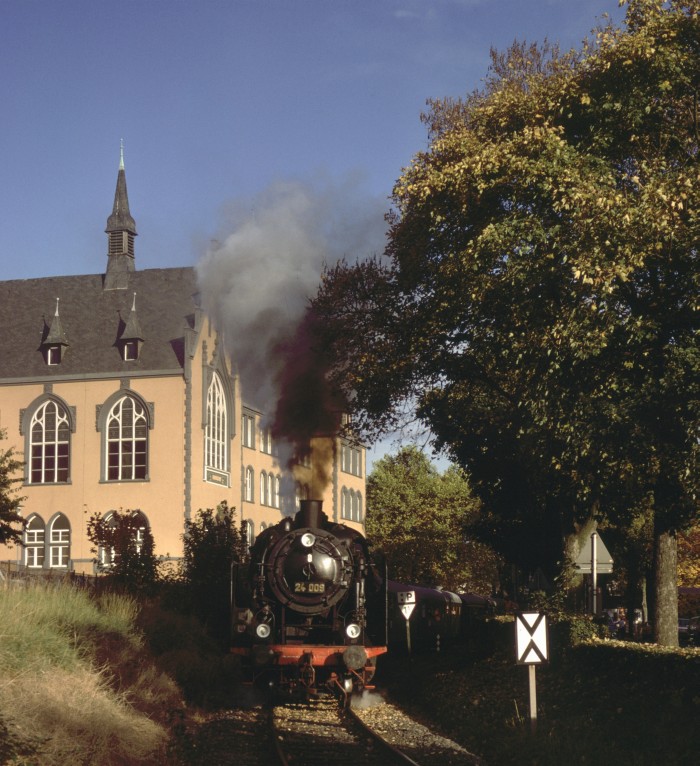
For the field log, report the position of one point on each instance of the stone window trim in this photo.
(50, 549)
(26, 416)
(102, 412)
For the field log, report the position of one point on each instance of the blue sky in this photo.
(216, 100)
(219, 102)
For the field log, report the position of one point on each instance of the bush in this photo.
(212, 543)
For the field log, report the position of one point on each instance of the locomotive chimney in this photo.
(311, 513)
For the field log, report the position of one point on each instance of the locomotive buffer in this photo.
(407, 603)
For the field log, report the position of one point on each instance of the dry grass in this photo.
(56, 707)
(74, 717)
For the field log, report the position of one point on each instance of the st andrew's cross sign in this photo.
(532, 646)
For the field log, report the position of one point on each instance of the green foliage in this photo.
(539, 303)
(212, 544)
(126, 548)
(605, 702)
(9, 501)
(419, 519)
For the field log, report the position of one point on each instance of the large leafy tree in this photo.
(419, 519)
(539, 304)
(10, 518)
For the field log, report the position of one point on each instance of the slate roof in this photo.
(92, 320)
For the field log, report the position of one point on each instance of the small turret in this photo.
(121, 230)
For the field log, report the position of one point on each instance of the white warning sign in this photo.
(531, 641)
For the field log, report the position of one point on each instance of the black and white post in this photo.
(531, 648)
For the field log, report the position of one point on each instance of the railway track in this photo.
(320, 732)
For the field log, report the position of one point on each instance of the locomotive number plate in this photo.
(309, 587)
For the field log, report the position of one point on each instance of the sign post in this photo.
(594, 559)
(407, 602)
(532, 648)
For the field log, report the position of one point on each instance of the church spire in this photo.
(121, 230)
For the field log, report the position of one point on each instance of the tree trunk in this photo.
(665, 588)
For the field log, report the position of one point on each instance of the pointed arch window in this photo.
(59, 542)
(127, 441)
(249, 533)
(249, 483)
(34, 542)
(263, 488)
(133, 523)
(216, 433)
(351, 505)
(49, 435)
(276, 501)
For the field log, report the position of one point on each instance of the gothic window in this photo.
(249, 533)
(263, 488)
(248, 485)
(34, 542)
(216, 434)
(49, 444)
(127, 441)
(136, 523)
(357, 507)
(105, 554)
(59, 542)
(276, 492)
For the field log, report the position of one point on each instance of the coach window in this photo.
(34, 542)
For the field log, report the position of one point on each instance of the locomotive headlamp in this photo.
(353, 630)
(307, 539)
(263, 630)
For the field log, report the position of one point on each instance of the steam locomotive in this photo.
(309, 610)
(312, 610)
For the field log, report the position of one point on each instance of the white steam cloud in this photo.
(257, 278)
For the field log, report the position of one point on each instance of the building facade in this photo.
(118, 394)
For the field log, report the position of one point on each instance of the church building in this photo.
(117, 393)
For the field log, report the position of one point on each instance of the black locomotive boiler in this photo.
(309, 610)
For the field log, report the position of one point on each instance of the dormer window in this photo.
(53, 355)
(130, 350)
(130, 336)
(54, 341)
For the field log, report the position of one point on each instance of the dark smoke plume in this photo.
(256, 281)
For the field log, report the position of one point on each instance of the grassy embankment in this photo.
(101, 679)
(74, 687)
(611, 703)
